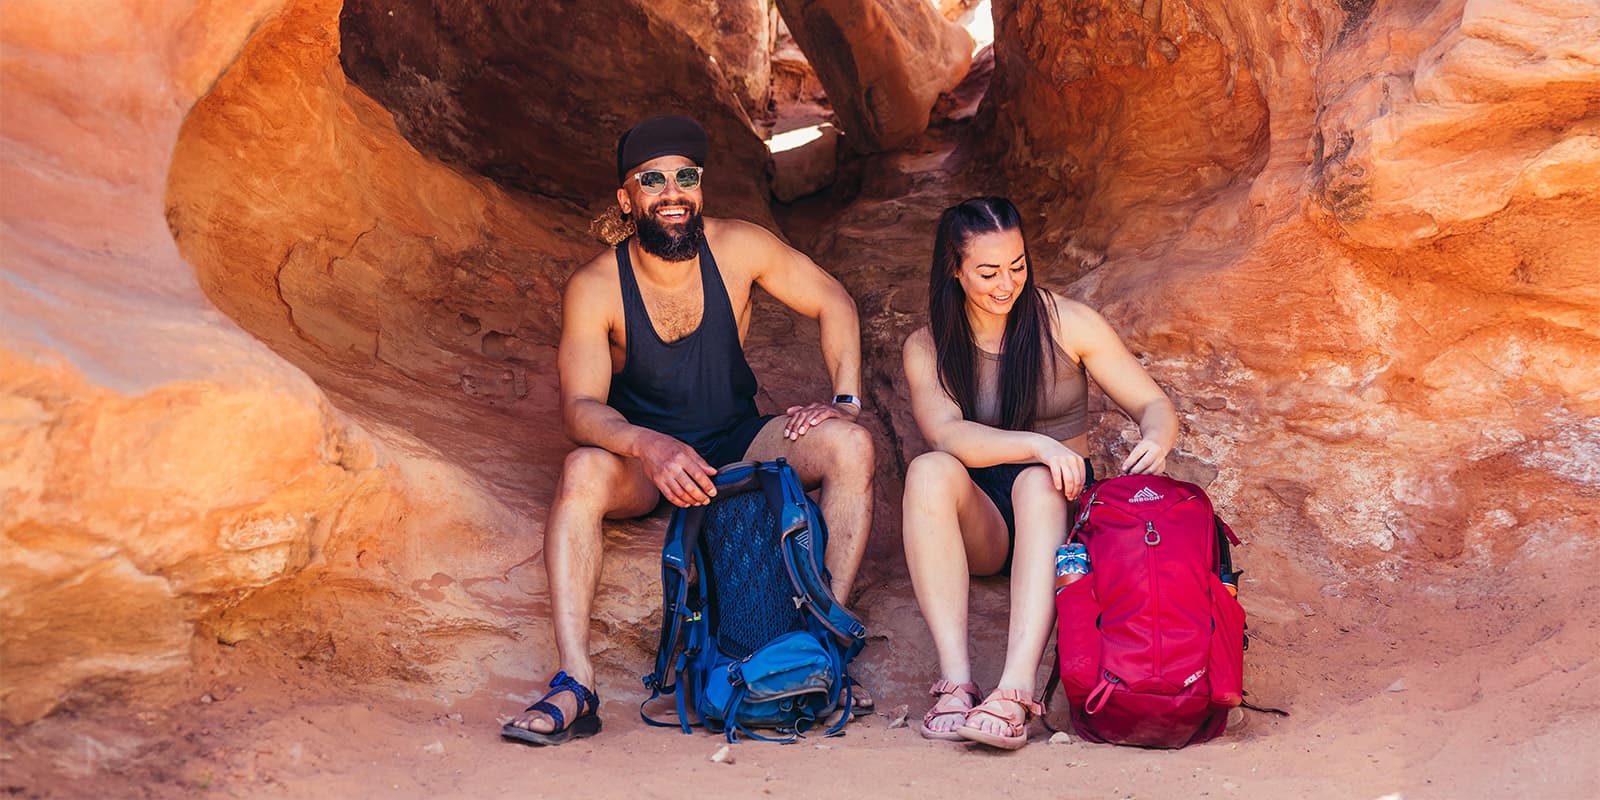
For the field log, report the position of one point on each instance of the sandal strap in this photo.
(943, 687)
(587, 701)
(1029, 705)
(550, 710)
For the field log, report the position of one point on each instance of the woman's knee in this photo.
(934, 474)
(1036, 489)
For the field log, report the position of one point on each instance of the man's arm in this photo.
(583, 361)
(797, 282)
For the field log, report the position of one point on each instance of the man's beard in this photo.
(675, 243)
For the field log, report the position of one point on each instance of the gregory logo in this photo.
(1144, 496)
(1194, 677)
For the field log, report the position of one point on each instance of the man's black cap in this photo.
(657, 137)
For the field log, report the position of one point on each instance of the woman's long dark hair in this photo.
(1027, 348)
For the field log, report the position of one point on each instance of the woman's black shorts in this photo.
(996, 482)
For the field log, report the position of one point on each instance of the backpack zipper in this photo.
(1155, 591)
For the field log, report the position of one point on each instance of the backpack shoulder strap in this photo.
(679, 578)
(1083, 512)
(803, 536)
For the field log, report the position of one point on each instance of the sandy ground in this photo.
(1433, 686)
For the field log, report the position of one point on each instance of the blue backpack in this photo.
(751, 635)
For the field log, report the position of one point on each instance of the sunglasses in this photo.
(654, 181)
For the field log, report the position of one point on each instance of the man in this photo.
(656, 391)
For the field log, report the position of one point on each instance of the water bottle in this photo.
(1072, 563)
(1230, 581)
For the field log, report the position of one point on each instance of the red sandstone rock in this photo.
(1372, 237)
(1395, 400)
(536, 97)
(883, 62)
(737, 35)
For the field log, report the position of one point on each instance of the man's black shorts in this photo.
(730, 447)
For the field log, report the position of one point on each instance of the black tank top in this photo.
(695, 389)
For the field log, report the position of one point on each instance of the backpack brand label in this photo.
(1194, 677)
(1144, 495)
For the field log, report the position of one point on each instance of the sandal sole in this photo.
(581, 728)
(993, 739)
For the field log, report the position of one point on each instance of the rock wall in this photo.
(139, 492)
(535, 96)
(1355, 241)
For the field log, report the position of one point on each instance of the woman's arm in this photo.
(1088, 336)
(939, 419)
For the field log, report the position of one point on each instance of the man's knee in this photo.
(849, 445)
(589, 473)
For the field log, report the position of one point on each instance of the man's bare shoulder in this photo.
(594, 286)
(597, 275)
(741, 235)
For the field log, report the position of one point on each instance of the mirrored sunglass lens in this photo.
(652, 181)
(688, 178)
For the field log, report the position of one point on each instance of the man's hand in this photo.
(804, 418)
(1148, 458)
(1066, 466)
(683, 477)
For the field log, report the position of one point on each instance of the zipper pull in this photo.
(1151, 537)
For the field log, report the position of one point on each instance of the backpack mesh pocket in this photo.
(751, 601)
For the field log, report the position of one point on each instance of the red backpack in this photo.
(1150, 642)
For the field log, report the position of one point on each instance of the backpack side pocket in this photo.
(1226, 667)
(1078, 639)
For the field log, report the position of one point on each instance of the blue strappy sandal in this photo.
(857, 692)
(585, 724)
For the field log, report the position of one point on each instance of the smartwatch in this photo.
(848, 399)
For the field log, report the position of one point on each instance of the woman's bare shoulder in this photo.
(920, 340)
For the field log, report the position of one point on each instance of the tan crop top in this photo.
(1063, 410)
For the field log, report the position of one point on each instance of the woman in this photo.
(999, 391)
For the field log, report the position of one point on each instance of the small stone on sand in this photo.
(724, 755)
(897, 717)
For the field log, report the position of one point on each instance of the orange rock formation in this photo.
(277, 344)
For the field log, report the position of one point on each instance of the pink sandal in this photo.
(942, 689)
(1016, 734)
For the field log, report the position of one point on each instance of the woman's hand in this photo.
(1148, 458)
(1066, 466)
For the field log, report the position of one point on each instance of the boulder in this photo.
(737, 35)
(883, 62)
(804, 160)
